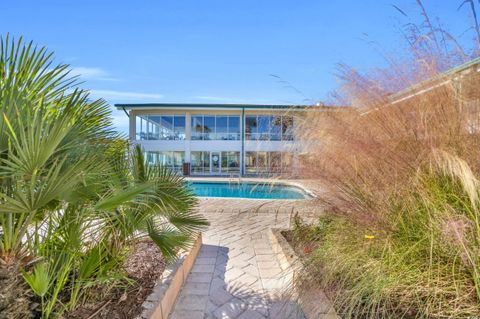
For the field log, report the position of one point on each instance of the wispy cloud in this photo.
(88, 73)
(123, 95)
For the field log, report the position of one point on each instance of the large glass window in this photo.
(179, 127)
(251, 162)
(287, 128)
(209, 128)
(197, 127)
(230, 162)
(264, 128)
(262, 162)
(160, 127)
(275, 162)
(251, 127)
(275, 128)
(233, 128)
(215, 127)
(200, 162)
(221, 128)
(172, 160)
(206, 163)
(266, 163)
(269, 128)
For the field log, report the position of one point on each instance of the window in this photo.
(275, 162)
(231, 162)
(209, 127)
(287, 159)
(262, 162)
(233, 128)
(221, 128)
(215, 127)
(197, 127)
(251, 128)
(275, 128)
(269, 128)
(200, 162)
(172, 160)
(179, 127)
(160, 127)
(251, 162)
(287, 128)
(264, 128)
(266, 163)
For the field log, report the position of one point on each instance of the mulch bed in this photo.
(302, 250)
(144, 266)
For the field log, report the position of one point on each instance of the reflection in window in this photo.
(197, 127)
(160, 127)
(251, 128)
(215, 127)
(221, 127)
(172, 160)
(231, 162)
(209, 127)
(266, 163)
(275, 128)
(263, 128)
(200, 162)
(233, 128)
(269, 128)
(287, 128)
(275, 162)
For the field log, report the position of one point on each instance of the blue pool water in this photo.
(246, 190)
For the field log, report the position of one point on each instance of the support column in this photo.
(242, 137)
(188, 136)
(132, 125)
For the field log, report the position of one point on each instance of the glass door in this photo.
(215, 167)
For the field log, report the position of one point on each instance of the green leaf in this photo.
(38, 279)
(123, 197)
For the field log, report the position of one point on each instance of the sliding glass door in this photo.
(215, 163)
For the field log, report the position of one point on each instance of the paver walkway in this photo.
(237, 274)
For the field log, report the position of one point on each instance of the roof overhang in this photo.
(204, 106)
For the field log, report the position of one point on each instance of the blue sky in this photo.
(216, 51)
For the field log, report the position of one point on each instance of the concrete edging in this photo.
(160, 302)
(314, 302)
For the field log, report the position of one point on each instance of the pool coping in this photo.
(311, 195)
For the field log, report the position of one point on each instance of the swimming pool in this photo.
(246, 190)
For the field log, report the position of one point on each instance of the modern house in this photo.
(218, 139)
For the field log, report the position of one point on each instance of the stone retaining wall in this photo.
(162, 299)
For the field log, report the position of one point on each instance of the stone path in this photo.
(237, 274)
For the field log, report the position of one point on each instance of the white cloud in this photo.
(120, 121)
(123, 95)
(87, 73)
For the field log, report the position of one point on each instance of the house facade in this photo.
(218, 139)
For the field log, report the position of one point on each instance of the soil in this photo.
(144, 266)
(302, 250)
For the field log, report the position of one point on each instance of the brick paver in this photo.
(237, 274)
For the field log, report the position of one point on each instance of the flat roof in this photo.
(207, 105)
(435, 81)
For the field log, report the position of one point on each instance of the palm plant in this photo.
(72, 196)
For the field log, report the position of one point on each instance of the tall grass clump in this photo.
(400, 170)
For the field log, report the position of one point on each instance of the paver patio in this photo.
(236, 274)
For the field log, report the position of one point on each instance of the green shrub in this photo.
(73, 194)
